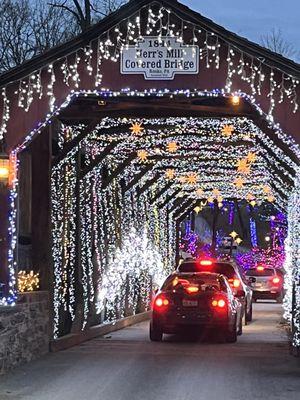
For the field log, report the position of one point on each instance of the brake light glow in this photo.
(235, 283)
(219, 303)
(192, 289)
(205, 262)
(276, 280)
(161, 302)
(260, 268)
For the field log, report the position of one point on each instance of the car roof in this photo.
(212, 275)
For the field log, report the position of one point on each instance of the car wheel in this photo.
(155, 333)
(249, 314)
(279, 298)
(240, 330)
(231, 334)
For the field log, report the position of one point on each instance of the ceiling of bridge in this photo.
(206, 159)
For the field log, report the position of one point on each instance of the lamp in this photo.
(4, 169)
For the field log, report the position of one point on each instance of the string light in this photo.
(158, 240)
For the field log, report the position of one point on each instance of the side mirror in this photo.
(240, 293)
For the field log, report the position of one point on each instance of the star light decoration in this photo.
(243, 166)
(227, 130)
(170, 174)
(192, 178)
(143, 155)
(239, 183)
(251, 157)
(172, 147)
(136, 128)
(199, 192)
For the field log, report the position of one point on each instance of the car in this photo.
(195, 301)
(235, 278)
(266, 283)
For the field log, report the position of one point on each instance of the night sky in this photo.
(253, 18)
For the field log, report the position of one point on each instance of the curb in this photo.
(74, 339)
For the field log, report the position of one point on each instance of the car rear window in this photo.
(205, 284)
(219, 268)
(264, 272)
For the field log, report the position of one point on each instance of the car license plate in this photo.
(189, 303)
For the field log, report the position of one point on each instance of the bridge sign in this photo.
(160, 58)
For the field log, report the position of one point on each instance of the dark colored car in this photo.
(235, 278)
(191, 301)
(266, 283)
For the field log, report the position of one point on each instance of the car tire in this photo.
(231, 334)
(155, 333)
(240, 330)
(279, 298)
(249, 314)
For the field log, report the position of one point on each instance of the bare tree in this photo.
(87, 12)
(27, 29)
(275, 41)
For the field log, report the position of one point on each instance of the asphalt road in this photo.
(127, 366)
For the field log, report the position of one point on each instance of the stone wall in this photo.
(24, 330)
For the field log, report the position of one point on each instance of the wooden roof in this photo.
(270, 58)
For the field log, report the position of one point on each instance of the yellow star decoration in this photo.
(182, 179)
(238, 241)
(192, 178)
(199, 192)
(227, 130)
(172, 147)
(251, 157)
(250, 197)
(266, 189)
(210, 200)
(233, 234)
(197, 209)
(170, 174)
(271, 198)
(216, 192)
(142, 155)
(136, 128)
(243, 166)
(239, 183)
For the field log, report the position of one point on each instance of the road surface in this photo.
(127, 366)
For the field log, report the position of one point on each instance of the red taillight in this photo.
(192, 289)
(235, 283)
(205, 263)
(260, 268)
(161, 302)
(276, 280)
(221, 303)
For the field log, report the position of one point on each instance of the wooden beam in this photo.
(75, 142)
(169, 198)
(118, 170)
(147, 185)
(161, 192)
(138, 177)
(98, 159)
(184, 206)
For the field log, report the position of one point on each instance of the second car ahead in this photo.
(266, 283)
(230, 270)
(193, 301)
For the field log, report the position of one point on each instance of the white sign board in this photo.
(160, 58)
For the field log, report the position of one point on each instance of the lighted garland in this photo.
(292, 266)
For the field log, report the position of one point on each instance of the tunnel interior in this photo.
(125, 175)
